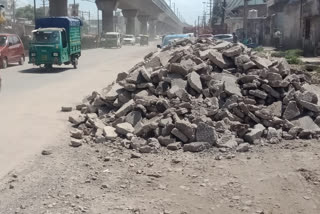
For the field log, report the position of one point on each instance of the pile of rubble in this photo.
(194, 96)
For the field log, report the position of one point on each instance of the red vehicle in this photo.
(11, 50)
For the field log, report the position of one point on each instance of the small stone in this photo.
(46, 152)
(75, 143)
(76, 133)
(135, 155)
(244, 147)
(110, 132)
(124, 128)
(196, 147)
(174, 146)
(66, 108)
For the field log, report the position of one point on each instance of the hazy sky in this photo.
(190, 9)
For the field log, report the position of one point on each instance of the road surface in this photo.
(30, 100)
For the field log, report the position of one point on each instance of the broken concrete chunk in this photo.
(196, 147)
(125, 108)
(234, 51)
(218, 59)
(174, 146)
(254, 134)
(76, 118)
(306, 123)
(259, 94)
(134, 117)
(195, 82)
(206, 133)
(179, 135)
(124, 128)
(110, 132)
(292, 111)
(261, 62)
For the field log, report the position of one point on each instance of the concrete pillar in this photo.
(107, 7)
(152, 28)
(144, 24)
(58, 7)
(131, 16)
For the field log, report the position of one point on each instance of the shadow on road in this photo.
(44, 70)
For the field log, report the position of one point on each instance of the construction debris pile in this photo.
(194, 96)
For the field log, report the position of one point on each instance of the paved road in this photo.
(30, 100)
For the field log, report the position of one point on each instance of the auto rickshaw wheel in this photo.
(21, 61)
(75, 63)
(4, 63)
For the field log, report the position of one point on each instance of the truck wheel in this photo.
(75, 63)
(21, 61)
(4, 63)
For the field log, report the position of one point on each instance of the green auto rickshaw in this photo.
(144, 40)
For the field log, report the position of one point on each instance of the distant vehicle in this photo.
(129, 40)
(206, 36)
(167, 40)
(11, 50)
(111, 39)
(224, 37)
(56, 41)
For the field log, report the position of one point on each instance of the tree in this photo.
(28, 13)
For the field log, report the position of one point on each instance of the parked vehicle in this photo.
(112, 39)
(144, 40)
(225, 37)
(206, 36)
(56, 41)
(129, 40)
(167, 40)
(11, 50)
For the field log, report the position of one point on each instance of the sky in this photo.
(190, 9)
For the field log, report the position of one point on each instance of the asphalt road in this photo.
(31, 98)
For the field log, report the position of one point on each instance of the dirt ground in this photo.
(105, 179)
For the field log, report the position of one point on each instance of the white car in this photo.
(129, 40)
(225, 37)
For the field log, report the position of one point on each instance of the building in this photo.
(298, 21)
(257, 13)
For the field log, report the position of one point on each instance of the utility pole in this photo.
(98, 23)
(210, 5)
(35, 10)
(224, 5)
(44, 7)
(245, 19)
(174, 7)
(14, 11)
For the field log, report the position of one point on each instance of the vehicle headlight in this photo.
(33, 54)
(55, 54)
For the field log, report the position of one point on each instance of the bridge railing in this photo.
(165, 7)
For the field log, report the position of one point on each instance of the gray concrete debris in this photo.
(179, 135)
(124, 128)
(206, 133)
(195, 82)
(110, 132)
(254, 134)
(244, 147)
(306, 123)
(234, 51)
(198, 94)
(133, 117)
(75, 142)
(292, 111)
(196, 147)
(218, 59)
(174, 146)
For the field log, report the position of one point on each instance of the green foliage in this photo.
(259, 49)
(28, 13)
(292, 56)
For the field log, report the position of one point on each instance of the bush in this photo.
(292, 56)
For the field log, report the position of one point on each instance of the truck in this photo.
(56, 41)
